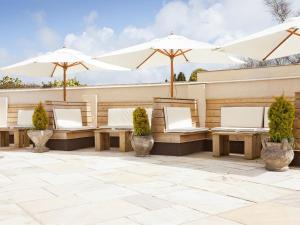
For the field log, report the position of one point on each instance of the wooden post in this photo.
(172, 74)
(65, 67)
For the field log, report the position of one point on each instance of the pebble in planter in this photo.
(40, 135)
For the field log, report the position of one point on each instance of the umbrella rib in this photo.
(156, 50)
(183, 53)
(80, 63)
(284, 40)
(54, 69)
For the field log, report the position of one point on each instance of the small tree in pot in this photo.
(40, 135)
(277, 150)
(142, 141)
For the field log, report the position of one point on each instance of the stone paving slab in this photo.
(113, 188)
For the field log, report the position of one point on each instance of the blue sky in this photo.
(31, 27)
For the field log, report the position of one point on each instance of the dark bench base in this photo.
(179, 149)
(296, 160)
(71, 144)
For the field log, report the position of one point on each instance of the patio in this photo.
(109, 187)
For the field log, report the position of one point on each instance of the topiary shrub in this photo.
(140, 122)
(281, 116)
(40, 118)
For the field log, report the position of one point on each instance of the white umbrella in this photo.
(275, 42)
(57, 63)
(166, 51)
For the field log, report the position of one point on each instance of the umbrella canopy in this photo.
(57, 63)
(167, 51)
(275, 42)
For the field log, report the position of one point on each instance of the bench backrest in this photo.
(3, 111)
(25, 118)
(67, 118)
(242, 117)
(178, 118)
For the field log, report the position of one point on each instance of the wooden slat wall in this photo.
(84, 106)
(158, 118)
(297, 121)
(13, 112)
(213, 107)
(104, 106)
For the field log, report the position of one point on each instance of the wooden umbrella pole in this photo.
(65, 67)
(172, 74)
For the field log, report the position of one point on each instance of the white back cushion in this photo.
(178, 118)
(266, 118)
(242, 116)
(25, 118)
(120, 117)
(123, 117)
(3, 111)
(67, 118)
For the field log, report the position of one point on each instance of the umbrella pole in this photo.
(172, 74)
(65, 82)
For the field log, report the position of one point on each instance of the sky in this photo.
(33, 27)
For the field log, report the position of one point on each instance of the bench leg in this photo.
(102, 141)
(252, 146)
(17, 139)
(125, 145)
(220, 145)
(4, 138)
(24, 139)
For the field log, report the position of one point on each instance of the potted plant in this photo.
(40, 135)
(142, 141)
(277, 151)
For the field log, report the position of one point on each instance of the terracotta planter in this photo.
(40, 138)
(277, 156)
(142, 145)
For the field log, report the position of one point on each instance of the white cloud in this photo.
(49, 38)
(91, 17)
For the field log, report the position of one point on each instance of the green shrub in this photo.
(140, 122)
(40, 118)
(281, 116)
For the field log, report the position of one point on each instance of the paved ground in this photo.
(112, 188)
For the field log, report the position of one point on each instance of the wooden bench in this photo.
(102, 139)
(20, 138)
(252, 143)
(107, 137)
(179, 143)
(70, 139)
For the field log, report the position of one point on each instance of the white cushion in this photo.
(25, 118)
(3, 111)
(266, 117)
(67, 118)
(178, 118)
(240, 129)
(123, 117)
(242, 117)
(188, 130)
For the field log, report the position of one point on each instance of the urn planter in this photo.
(40, 138)
(142, 145)
(277, 156)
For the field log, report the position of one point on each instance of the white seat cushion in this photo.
(178, 118)
(242, 117)
(266, 117)
(240, 129)
(25, 118)
(67, 118)
(188, 130)
(122, 118)
(3, 111)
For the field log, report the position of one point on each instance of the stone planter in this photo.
(39, 138)
(142, 145)
(277, 156)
